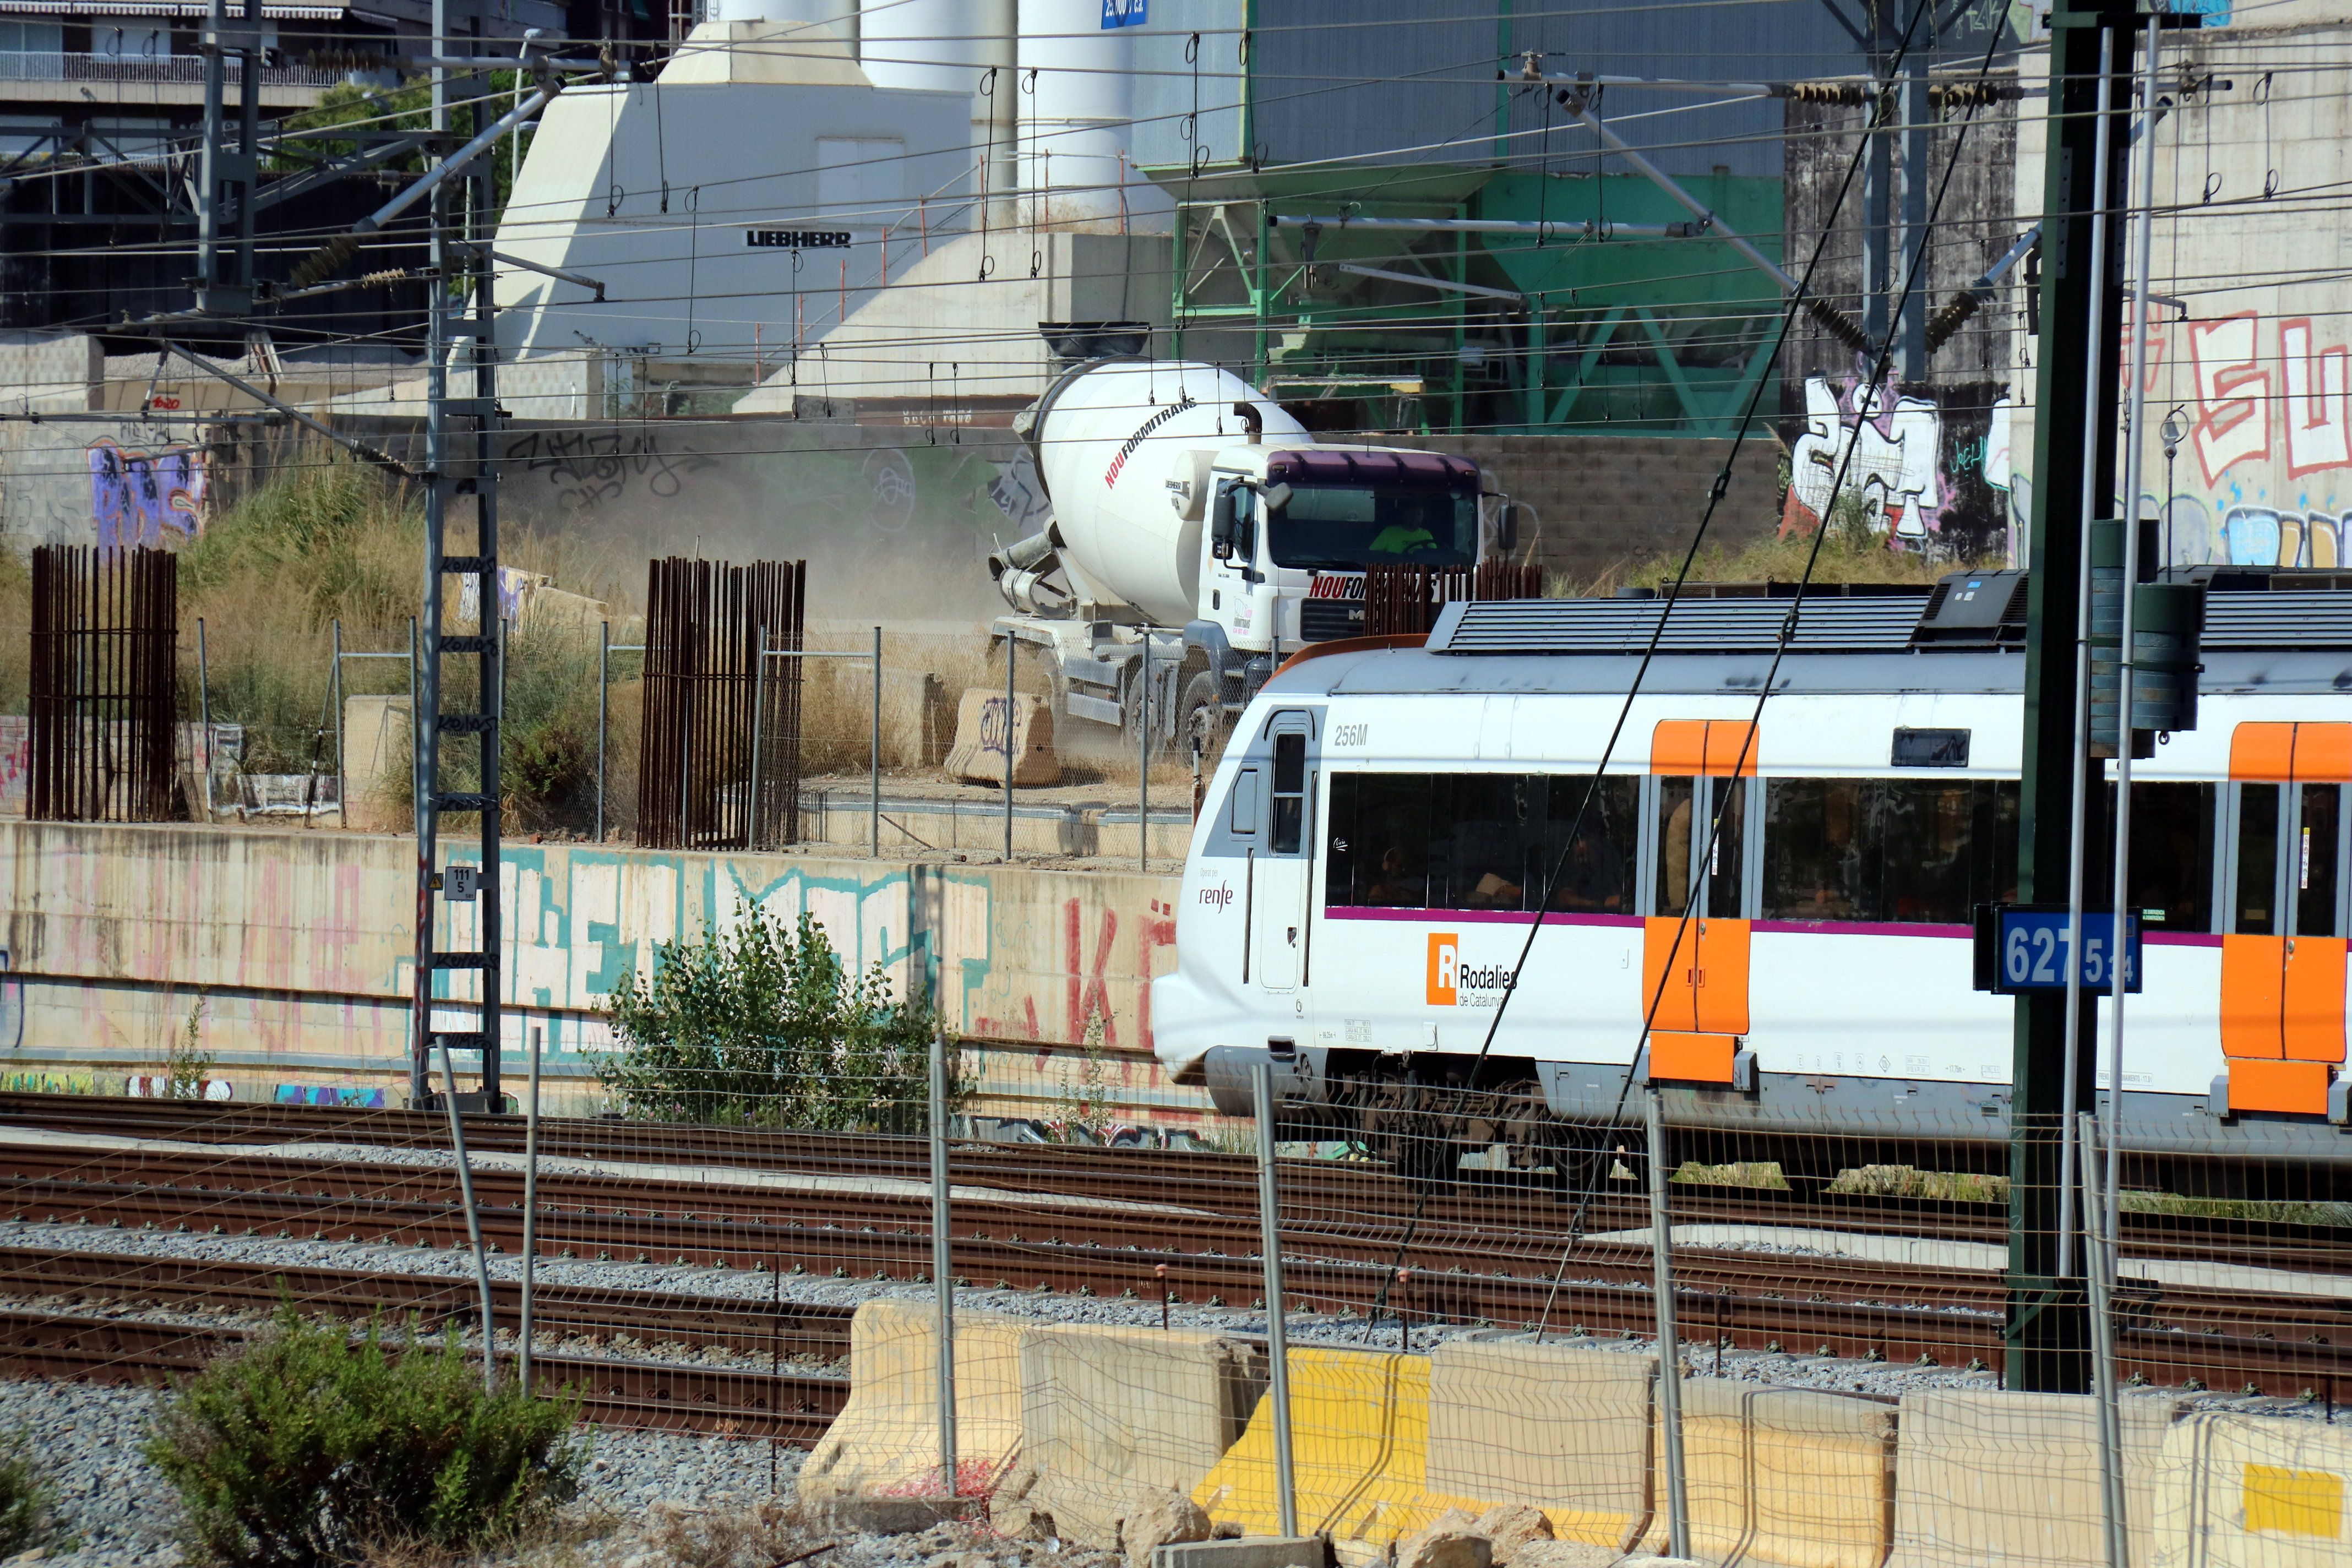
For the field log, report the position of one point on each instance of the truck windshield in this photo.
(1346, 530)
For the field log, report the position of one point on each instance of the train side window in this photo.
(1379, 829)
(1595, 872)
(1483, 834)
(1923, 843)
(1726, 823)
(2313, 867)
(1289, 793)
(1674, 845)
(2173, 856)
(1340, 844)
(1815, 834)
(1244, 807)
(1902, 851)
(2256, 898)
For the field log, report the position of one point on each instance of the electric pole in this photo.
(2076, 386)
(227, 179)
(464, 212)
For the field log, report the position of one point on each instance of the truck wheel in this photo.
(1201, 719)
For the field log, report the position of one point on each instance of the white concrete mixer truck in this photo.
(1193, 517)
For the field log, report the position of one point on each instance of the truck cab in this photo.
(1290, 534)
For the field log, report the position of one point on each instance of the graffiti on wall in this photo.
(590, 467)
(1922, 470)
(136, 496)
(2260, 474)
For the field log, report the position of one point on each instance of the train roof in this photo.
(2280, 631)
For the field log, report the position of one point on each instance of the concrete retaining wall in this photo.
(298, 946)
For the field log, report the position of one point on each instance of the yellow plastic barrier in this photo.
(1105, 1409)
(1786, 1474)
(887, 1438)
(1560, 1428)
(2250, 1492)
(1360, 1429)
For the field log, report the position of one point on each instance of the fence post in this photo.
(530, 1208)
(2098, 1264)
(758, 707)
(875, 804)
(1009, 645)
(603, 691)
(473, 1215)
(1669, 1375)
(205, 714)
(1278, 1347)
(943, 1261)
(343, 810)
(1143, 770)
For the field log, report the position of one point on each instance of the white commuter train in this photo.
(1361, 878)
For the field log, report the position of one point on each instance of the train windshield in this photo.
(1346, 528)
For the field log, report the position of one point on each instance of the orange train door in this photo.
(2284, 936)
(1695, 938)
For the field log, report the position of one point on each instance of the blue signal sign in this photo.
(2023, 947)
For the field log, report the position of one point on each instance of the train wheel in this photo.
(1200, 718)
(1589, 1161)
(1416, 1146)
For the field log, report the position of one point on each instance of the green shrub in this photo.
(760, 1026)
(27, 1504)
(307, 1446)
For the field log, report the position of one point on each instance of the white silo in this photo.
(951, 45)
(840, 16)
(1078, 103)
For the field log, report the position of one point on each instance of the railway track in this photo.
(792, 1406)
(804, 1330)
(1485, 1254)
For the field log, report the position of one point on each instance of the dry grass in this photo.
(1852, 553)
(751, 1537)
(1910, 1182)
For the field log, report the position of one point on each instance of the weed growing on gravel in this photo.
(307, 1446)
(27, 1504)
(759, 1026)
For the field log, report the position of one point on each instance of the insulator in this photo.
(1955, 315)
(325, 260)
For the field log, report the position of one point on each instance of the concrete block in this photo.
(1107, 1409)
(1785, 1474)
(1987, 1475)
(1360, 1431)
(1247, 1552)
(1565, 1430)
(888, 1436)
(2253, 1491)
(977, 754)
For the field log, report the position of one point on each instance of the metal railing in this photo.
(44, 65)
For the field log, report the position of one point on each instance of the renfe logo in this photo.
(1444, 968)
(1221, 895)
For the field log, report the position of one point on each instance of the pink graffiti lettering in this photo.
(2318, 432)
(2232, 394)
